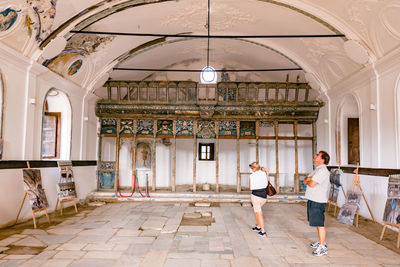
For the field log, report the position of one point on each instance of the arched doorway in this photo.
(56, 126)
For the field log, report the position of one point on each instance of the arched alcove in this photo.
(348, 131)
(125, 164)
(56, 126)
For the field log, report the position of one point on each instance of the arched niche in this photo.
(348, 131)
(56, 126)
(125, 163)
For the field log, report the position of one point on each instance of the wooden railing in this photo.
(187, 92)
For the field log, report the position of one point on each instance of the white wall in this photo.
(12, 191)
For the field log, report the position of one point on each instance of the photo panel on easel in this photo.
(33, 187)
(394, 186)
(347, 212)
(392, 211)
(66, 184)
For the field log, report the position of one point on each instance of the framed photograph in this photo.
(334, 193)
(335, 176)
(347, 212)
(353, 197)
(392, 211)
(33, 187)
(394, 186)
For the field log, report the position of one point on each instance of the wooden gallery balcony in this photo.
(270, 100)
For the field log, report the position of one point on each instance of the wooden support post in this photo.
(174, 158)
(257, 145)
(314, 139)
(99, 148)
(217, 157)
(117, 146)
(194, 153)
(239, 177)
(276, 127)
(134, 145)
(153, 163)
(296, 160)
(61, 201)
(39, 210)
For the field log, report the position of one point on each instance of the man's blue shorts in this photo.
(316, 213)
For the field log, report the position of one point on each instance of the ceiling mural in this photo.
(374, 24)
(8, 17)
(89, 42)
(45, 11)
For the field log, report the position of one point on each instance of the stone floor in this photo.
(151, 234)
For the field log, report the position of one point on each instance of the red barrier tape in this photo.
(134, 187)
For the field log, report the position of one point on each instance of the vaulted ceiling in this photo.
(39, 28)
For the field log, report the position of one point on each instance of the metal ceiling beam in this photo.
(221, 70)
(292, 36)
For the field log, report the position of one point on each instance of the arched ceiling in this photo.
(373, 24)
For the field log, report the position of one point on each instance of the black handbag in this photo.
(270, 190)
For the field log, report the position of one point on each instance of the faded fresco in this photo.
(127, 127)
(108, 126)
(45, 11)
(247, 128)
(66, 184)
(227, 128)
(7, 19)
(33, 187)
(143, 156)
(74, 68)
(145, 127)
(206, 130)
(184, 128)
(164, 128)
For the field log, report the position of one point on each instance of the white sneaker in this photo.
(320, 251)
(316, 244)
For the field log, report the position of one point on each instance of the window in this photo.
(353, 141)
(206, 151)
(51, 135)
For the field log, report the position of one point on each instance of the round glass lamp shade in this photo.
(208, 75)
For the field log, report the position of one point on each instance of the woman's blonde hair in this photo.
(255, 165)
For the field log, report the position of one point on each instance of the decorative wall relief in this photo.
(127, 127)
(145, 127)
(227, 128)
(88, 42)
(107, 174)
(8, 17)
(206, 129)
(164, 128)
(108, 126)
(75, 66)
(184, 128)
(33, 187)
(45, 11)
(143, 156)
(247, 128)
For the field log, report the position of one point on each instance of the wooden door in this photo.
(353, 147)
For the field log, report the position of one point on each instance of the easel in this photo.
(356, 186)
(386, 224)
(66, 200)
(335, 204)
(33, 211)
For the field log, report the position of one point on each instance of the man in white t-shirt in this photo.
(317, 194)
